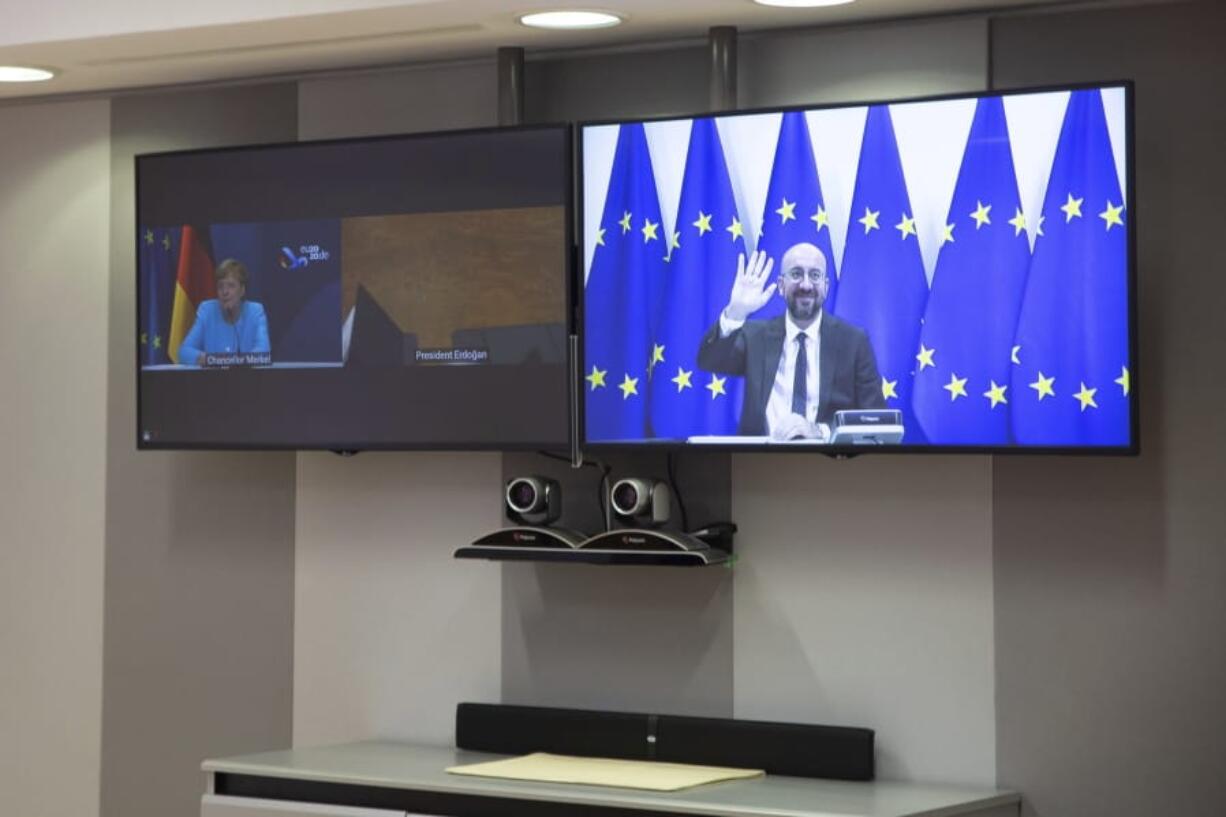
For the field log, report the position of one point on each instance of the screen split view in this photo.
(396, 292)
(953, 273)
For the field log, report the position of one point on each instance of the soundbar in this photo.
(800, 750)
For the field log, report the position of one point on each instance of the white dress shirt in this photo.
(779, 406)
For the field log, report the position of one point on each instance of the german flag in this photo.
(193, 284)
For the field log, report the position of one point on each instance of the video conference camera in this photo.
(641, 506)
(533, 503)
(533, 500)
(642, 502)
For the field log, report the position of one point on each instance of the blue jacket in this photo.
(212, 333)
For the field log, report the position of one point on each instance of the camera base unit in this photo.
(526, 536)
(649, 546)
(644, 539)
(619, 547)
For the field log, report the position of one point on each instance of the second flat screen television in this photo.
(947, 274)
(399, 292)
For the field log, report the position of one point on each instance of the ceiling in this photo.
(138, 43)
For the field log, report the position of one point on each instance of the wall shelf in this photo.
(679, 558)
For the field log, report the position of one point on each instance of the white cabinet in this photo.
(213, 805)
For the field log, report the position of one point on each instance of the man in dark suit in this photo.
(799, 368)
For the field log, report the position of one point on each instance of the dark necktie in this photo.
(800, 382)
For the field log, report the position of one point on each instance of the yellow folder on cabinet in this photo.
(599, 771)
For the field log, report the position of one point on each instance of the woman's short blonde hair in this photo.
(231, 268)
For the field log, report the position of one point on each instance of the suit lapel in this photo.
(828, 357)
(773, 339)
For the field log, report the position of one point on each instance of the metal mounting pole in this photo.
(722, 41)
(510, 86)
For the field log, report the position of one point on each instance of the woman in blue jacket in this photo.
(227, 324)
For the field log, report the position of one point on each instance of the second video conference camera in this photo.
(533, 500)
(643, 502)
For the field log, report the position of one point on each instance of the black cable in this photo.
(601, 487)
(672, 481)
(555, 456)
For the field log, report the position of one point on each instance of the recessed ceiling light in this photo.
(570, 19)
(802, 4)
(23, 73)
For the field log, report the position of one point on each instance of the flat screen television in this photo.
(944, 274)
(406, 292)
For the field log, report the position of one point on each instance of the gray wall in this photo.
(1111, 654)
(54, 174)
(642, 83)
(199, 546)
(1065, 638)
(629, 638)
(375, 578)
(422, 98)
(864, 593)
(391, 631)
(880, 61)
(864, 598)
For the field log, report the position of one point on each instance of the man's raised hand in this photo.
(752, 288)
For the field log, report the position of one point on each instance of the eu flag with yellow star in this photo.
(620, 295)
(685, 400)
(963, 385)
(1071, 376)
(159, 261)
(883, 289)
(795, 210)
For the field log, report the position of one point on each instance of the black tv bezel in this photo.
(842, 451)
(566, 129)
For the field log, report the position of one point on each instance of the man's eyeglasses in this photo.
(796, 275)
